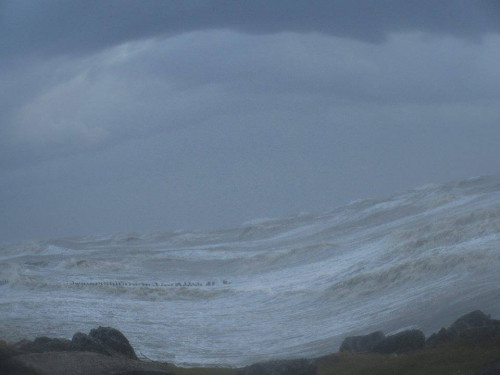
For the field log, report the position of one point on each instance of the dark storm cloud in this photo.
(64, 106)
(78, 27)
(119, 115)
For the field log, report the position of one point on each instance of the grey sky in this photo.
(143, 115)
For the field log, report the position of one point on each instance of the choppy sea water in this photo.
(274, 288)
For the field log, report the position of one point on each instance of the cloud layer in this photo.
(71, 27)
(139, 115)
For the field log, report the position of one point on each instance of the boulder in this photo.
(83, 343)
(471, 320)
(473, 328)
(104, 340)
(489, 335)
(402, 342)
(444, 336)
(114, 342)
(361, 344)
(20, 343)
(281, 367)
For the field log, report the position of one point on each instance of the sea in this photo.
(271, 288)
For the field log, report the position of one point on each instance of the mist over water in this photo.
(271, 288)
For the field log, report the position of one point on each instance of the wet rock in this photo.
(281, 367)
(481, 336)
(114, 342)
(361, 344)
(471, 320)
(83, 343)
(444, 336)
(104, 340)
(20, 343)
(45, 344)
(474, 328)
(402, 342)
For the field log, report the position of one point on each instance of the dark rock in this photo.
(481, 336)
(401, 342)
(475, 328)
(104, 340)
(114, 342)
(83, 343)
(471, 320)
(139, 372)
(444, 336)
(281, 367)
(20, 343)
(45, 344)
(361, 344)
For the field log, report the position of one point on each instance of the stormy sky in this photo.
(157, 115)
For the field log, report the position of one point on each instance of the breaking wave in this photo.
(273, 287)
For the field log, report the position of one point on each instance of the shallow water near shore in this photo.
(272, 288)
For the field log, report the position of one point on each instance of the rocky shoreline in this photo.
(469, 346)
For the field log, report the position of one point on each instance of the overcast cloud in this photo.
(144, 115)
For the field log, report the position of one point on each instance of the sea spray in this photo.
(291, 287)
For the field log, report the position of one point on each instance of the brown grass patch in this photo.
(445, 360)
(202, 371)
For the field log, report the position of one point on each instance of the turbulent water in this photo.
(282, 288)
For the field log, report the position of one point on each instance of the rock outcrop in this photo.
(474, 319)
(473, 328)
(362, 344)
(377, 342)
(83, 343)
(106, 351)
(104, 340)
(402, 342)
(114, 341)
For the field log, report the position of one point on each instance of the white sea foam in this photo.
(271, 288)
